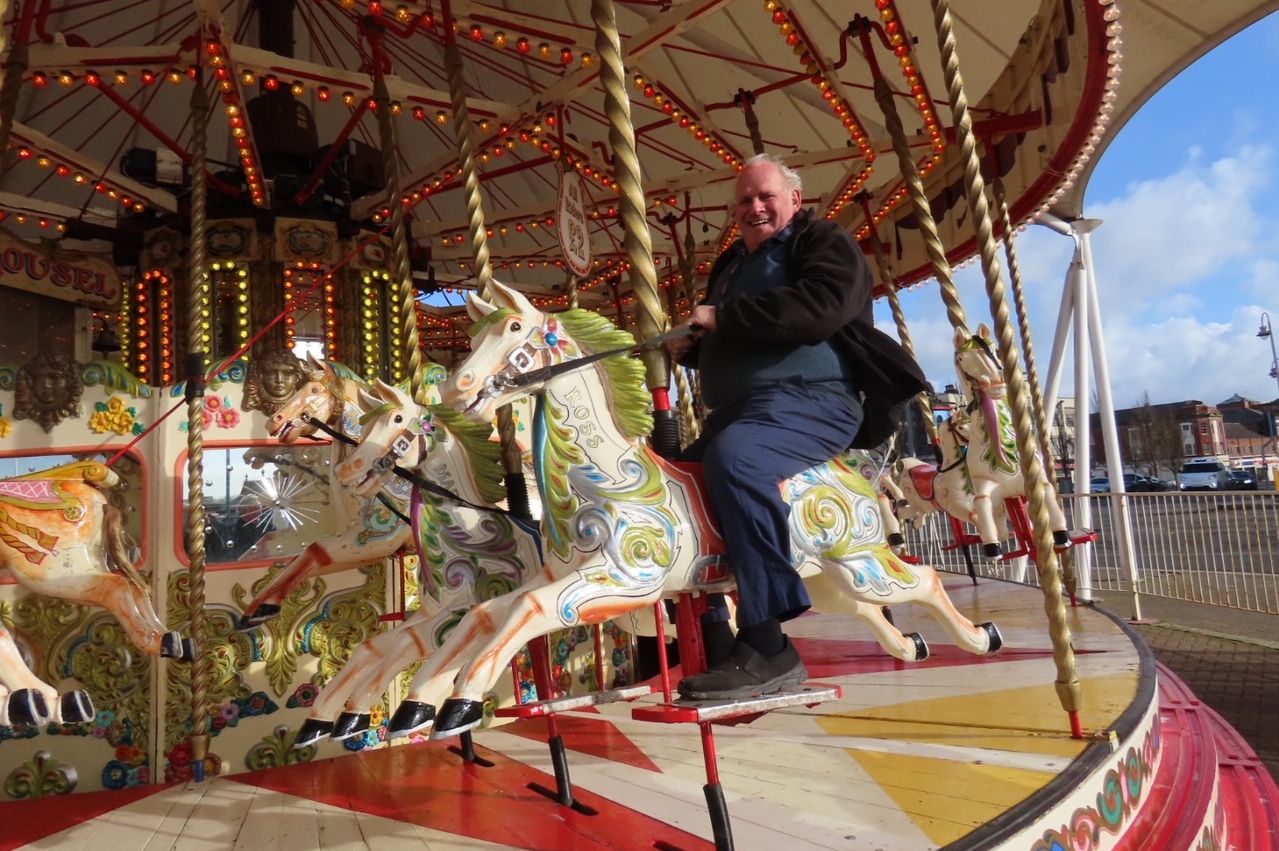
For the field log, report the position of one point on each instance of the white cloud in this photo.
(1173, 258)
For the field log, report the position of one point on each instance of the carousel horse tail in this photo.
(118, 547)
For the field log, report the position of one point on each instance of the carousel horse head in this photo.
(396, 432)
(314, 400)
(510, 337)
(978, 367)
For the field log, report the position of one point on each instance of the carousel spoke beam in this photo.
(89, 171)
(62, 57)
(54, 211)
(665, 26)
(263, 62)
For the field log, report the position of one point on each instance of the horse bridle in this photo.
(963, 447)
(517, 372)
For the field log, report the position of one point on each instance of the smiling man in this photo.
(787, 354)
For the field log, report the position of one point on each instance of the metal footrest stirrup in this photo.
(539, 650)
(704, 713)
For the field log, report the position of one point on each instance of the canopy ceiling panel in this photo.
(107, 79)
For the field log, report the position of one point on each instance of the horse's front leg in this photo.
(983, 517)
(24, 697)
(534, 613)
(333, 554)
(435, 679)
(343, 708)
(831, 593)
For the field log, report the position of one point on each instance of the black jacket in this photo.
(828, 297)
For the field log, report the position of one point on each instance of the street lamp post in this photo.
(1266, 332)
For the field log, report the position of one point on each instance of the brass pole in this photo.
(651, 317)
(512, 462)
(401, 274)
(198, 310)
(1067, 684)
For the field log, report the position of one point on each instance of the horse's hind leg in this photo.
(975, 638)
(533, 613)
(830, 594)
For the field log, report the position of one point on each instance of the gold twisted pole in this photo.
(198, 308)
(889, 281)
(572, 291)
(1023, 324)
(512, 462)
(918, 199)
(400, 272)
(1043, 428)
(651, 316)
(1067, 684)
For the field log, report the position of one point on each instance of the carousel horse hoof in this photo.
(311, 731)
(996, 640)
(260, 615)
(1061, 539)
(457, 715)
(174, 646)
(896, 539)
(411, 716)
(349, 724)
(27, 706)
(77, 707)
(921, 646)
(991, 551)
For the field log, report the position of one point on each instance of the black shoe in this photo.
(746, 673)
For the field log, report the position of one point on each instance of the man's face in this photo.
(763, 204)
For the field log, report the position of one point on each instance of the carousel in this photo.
(337, 506)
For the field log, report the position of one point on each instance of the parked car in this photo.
(1242, 480)
(1204, 474)
(1133, 483)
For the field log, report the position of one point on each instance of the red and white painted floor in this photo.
(973, 751)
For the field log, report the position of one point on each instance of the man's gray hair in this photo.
(789, 175)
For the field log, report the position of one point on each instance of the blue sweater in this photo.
(732, 367)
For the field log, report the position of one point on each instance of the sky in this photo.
(1188, 255)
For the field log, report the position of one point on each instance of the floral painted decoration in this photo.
(217, 412)
(114, 415)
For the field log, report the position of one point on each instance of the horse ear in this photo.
(961, 336)
(477, 308)
(983, 331)
(385, 391)
(367, 400)
(313, 362)
(504, 296)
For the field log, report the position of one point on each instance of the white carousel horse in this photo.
(622, 526)
(369, 529)
(25, 699)
(918, 488)
(477, 553)
(61, 537)
(989, 443)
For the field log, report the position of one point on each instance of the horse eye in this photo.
(399, 418)
(515, 326)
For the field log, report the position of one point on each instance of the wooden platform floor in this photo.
(912, 757)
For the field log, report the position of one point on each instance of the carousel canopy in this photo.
(101, 96)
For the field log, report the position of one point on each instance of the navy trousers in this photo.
(747, 449)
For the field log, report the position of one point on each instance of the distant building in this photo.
(1146, 439)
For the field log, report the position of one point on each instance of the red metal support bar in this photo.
(137, 115)
(304, 194)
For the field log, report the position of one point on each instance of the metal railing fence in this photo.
(1217, 548)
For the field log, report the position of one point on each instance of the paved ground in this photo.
(1229, 658)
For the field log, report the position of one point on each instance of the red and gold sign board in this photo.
(81, 278)
(575, 239)
(306, 241)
